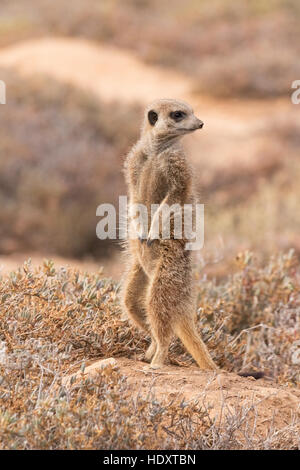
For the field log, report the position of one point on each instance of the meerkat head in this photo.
(169, 119)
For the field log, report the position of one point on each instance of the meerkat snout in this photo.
(197, 124)
(200, 124)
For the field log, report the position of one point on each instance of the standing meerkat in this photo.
(158, 292)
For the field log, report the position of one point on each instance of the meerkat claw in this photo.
(150, 367)
(155, 366)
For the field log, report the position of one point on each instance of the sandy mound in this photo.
(225, 394)
(105, 70)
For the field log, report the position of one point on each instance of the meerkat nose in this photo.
(200, 124)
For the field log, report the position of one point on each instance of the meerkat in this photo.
(158, 293)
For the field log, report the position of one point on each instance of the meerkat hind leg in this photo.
(160, 355)
(161, 331)
(185, 329)
(135, 289)
(158, 349)
(151, 350)
(160, 305)
(134, 296)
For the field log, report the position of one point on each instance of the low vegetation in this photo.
(53, 321)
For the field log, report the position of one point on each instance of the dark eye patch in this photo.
(152, 117)
(177, 115)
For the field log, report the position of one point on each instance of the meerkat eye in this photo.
(177, 115)
(152, 117)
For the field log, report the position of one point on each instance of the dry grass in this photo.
(256, 315)
(51, 321)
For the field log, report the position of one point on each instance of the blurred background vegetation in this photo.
(62, 147)
(244, 48)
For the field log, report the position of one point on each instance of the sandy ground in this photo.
(224, 393)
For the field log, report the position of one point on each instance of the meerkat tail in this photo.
(186, 332)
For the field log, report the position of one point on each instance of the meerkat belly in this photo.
(152, 186)
(151, 189)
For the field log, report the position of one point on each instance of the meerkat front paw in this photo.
(141, 235)
(150, 240)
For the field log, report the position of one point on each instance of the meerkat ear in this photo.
(152, 117)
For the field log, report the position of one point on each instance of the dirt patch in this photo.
(226, 395)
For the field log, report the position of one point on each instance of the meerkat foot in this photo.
(149, 367)
(155, 366)
(150, 351)
(159, 357)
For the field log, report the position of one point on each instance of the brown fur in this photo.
(158, 292)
